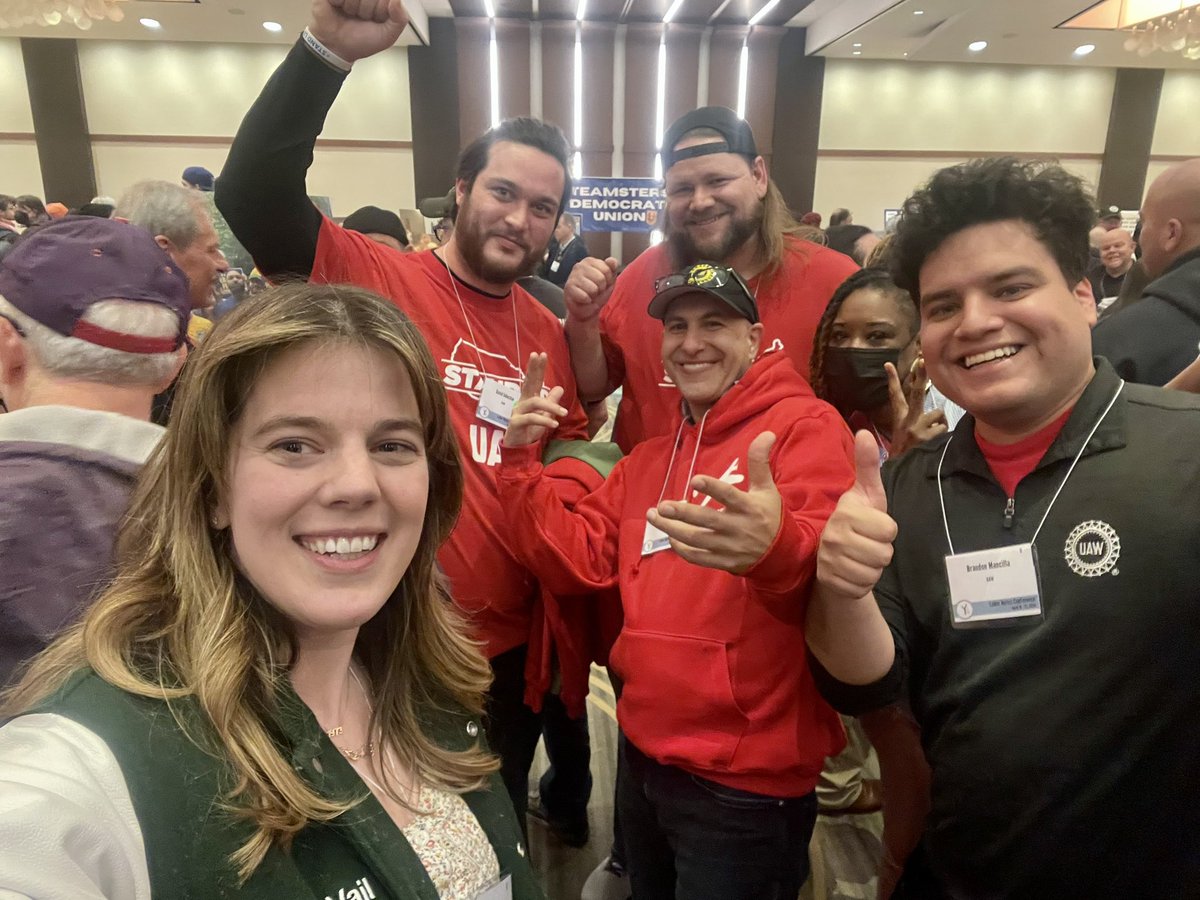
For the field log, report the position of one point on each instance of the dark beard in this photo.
(470, 238)
(685, 251)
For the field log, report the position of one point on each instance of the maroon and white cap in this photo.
(56, 272)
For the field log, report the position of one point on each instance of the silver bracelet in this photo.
(310, 41)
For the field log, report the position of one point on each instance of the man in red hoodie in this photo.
(711, 534)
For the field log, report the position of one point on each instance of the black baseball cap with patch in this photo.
(735, 131)
(1111, 212)
(709, 278)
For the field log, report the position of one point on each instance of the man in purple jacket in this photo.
(93, 317)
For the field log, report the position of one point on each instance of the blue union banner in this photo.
(617, 204)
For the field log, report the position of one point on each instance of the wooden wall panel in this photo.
(59, 119)
(724, 57)
(1131, 123)
(433, 89)
(474, 99)
(683, 70)
(762, 83)
(512, 36)
(641, 79)
(558, 74)
(796, 126)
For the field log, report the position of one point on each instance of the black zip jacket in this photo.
(1063, 749)
(1156, 338)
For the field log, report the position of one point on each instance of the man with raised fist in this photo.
(1020, 580)
(510, 187)
(711, 534)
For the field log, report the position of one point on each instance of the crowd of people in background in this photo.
(311, 528)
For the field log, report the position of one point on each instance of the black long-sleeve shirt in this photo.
(261, 191)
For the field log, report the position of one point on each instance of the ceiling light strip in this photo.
(758, 16)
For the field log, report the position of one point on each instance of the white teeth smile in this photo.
(989, 355)
(341, 546)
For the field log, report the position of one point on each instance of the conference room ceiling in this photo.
(1023, 32)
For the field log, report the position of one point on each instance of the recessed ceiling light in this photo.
(976, 46)
(151, 23)
(1084, 49)
(273, 26)
(858, 53)
(918, 12)
(858, 45)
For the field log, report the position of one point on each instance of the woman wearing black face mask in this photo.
(865, 339)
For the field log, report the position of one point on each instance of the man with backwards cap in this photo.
(711, 533)
(721, 205)
(92, 323)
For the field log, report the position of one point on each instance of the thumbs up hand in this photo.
(734, 538)
(857, 542)
(534, 415)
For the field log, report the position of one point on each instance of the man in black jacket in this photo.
(1028, 593)
(1155, 339)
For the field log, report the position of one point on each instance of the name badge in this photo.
(496, 401)
(554, 266)
(655, 540)
(501, 890)
(998, 586)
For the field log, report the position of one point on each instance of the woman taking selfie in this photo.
(275, 697)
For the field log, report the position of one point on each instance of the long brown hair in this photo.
(178, 621)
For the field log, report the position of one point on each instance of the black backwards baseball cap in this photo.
(738, 138)
(709, 278)
(373, 220)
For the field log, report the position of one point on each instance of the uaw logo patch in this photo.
(702, 274)
(1093, 549)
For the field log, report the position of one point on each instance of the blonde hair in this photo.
(776, 226)
(179, 622)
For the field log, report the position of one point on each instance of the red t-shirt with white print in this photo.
(494, 339)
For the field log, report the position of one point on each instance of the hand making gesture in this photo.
(734, 538)
(911, 425)
(534, 416)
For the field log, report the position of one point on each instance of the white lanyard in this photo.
(671, 462)
(519, 363)
(1091, 434)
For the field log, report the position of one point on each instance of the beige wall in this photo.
(20, 172)
(204, 90)
(881, 107)
(1176, 131)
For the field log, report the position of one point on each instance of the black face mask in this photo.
(855, 380)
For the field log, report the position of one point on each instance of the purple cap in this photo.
(57, 271)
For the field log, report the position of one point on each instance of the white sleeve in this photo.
(67, 826)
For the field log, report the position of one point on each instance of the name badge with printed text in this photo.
(994, 587)
(501, 890)
(496, 401)
(654, 540)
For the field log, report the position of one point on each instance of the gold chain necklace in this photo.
(366, 749)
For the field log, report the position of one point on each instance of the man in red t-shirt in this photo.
(510, 186)
(722, 207)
